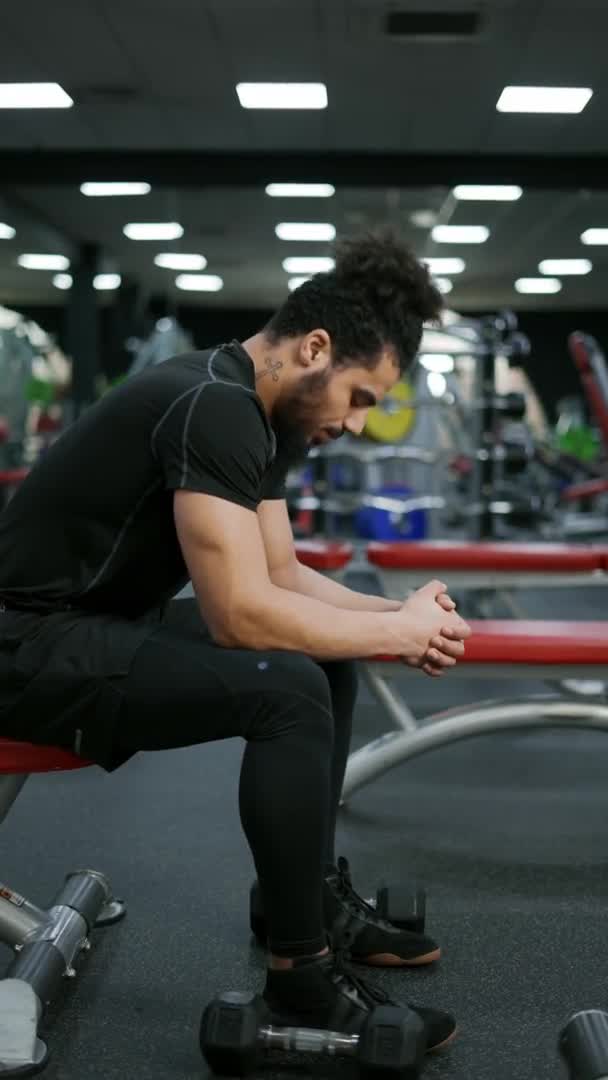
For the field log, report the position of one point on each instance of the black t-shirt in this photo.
(92, 526)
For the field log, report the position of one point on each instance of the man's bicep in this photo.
(277, 536)
(224, 552)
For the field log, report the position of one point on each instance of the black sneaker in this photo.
(324, 992)
(372, 940)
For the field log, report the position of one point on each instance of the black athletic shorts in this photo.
(61, 676)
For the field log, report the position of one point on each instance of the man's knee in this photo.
(299, 676)
(294, 692)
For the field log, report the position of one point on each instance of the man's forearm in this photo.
(278, 618)
(308, 582)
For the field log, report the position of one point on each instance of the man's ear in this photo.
(315, 349)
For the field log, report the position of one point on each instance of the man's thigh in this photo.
(184, 689)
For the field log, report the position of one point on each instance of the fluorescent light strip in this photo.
(544, 99)
(460, 234)
(595, 236)
(62, 281)
(296, 265)
(487, 192)
(34, 96)
(320, 233)
(565, 266)
(300, 191)
(445, 266)
(295, 282)
(106, 282)
(159, 230)
(6, 231)
(199, 282)
(436, 383)
(177, 260)
(538, 285)
(282, 95)
(94, 189)
(43, 262)
(442, 363)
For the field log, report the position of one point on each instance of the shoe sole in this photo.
(390, 960)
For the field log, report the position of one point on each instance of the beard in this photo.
(295, 420)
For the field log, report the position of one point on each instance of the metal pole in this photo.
(82, 331)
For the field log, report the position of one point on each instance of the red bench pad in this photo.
(8, 477)
(23, 757)
(514, 641)
(324, 554)
(440, 555)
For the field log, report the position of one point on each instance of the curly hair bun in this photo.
(381, 265)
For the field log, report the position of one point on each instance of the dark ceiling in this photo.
(409, 115)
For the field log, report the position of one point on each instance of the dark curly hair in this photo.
(377, 295)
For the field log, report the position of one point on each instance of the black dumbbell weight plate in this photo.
(229, 1034)
(392, 1044)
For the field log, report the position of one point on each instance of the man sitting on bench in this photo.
(179, 474)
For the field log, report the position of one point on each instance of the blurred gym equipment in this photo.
(33, 375)
(459, 454)
(478, 462)
(167, 339)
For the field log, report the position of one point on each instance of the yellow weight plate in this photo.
(392, 421)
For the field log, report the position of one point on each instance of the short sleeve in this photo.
(274, 484)
(286, 460)
(214, 439)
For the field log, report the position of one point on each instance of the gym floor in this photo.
(507, 832)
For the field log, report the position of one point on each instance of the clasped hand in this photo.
(443, 632)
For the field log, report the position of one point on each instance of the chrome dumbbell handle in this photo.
(308, 1040)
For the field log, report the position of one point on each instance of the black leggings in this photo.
(296, 715)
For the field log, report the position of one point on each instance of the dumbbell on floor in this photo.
(400, 905)
(235, 1036)
(583, 1045)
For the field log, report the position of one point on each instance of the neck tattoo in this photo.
(272, 368)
